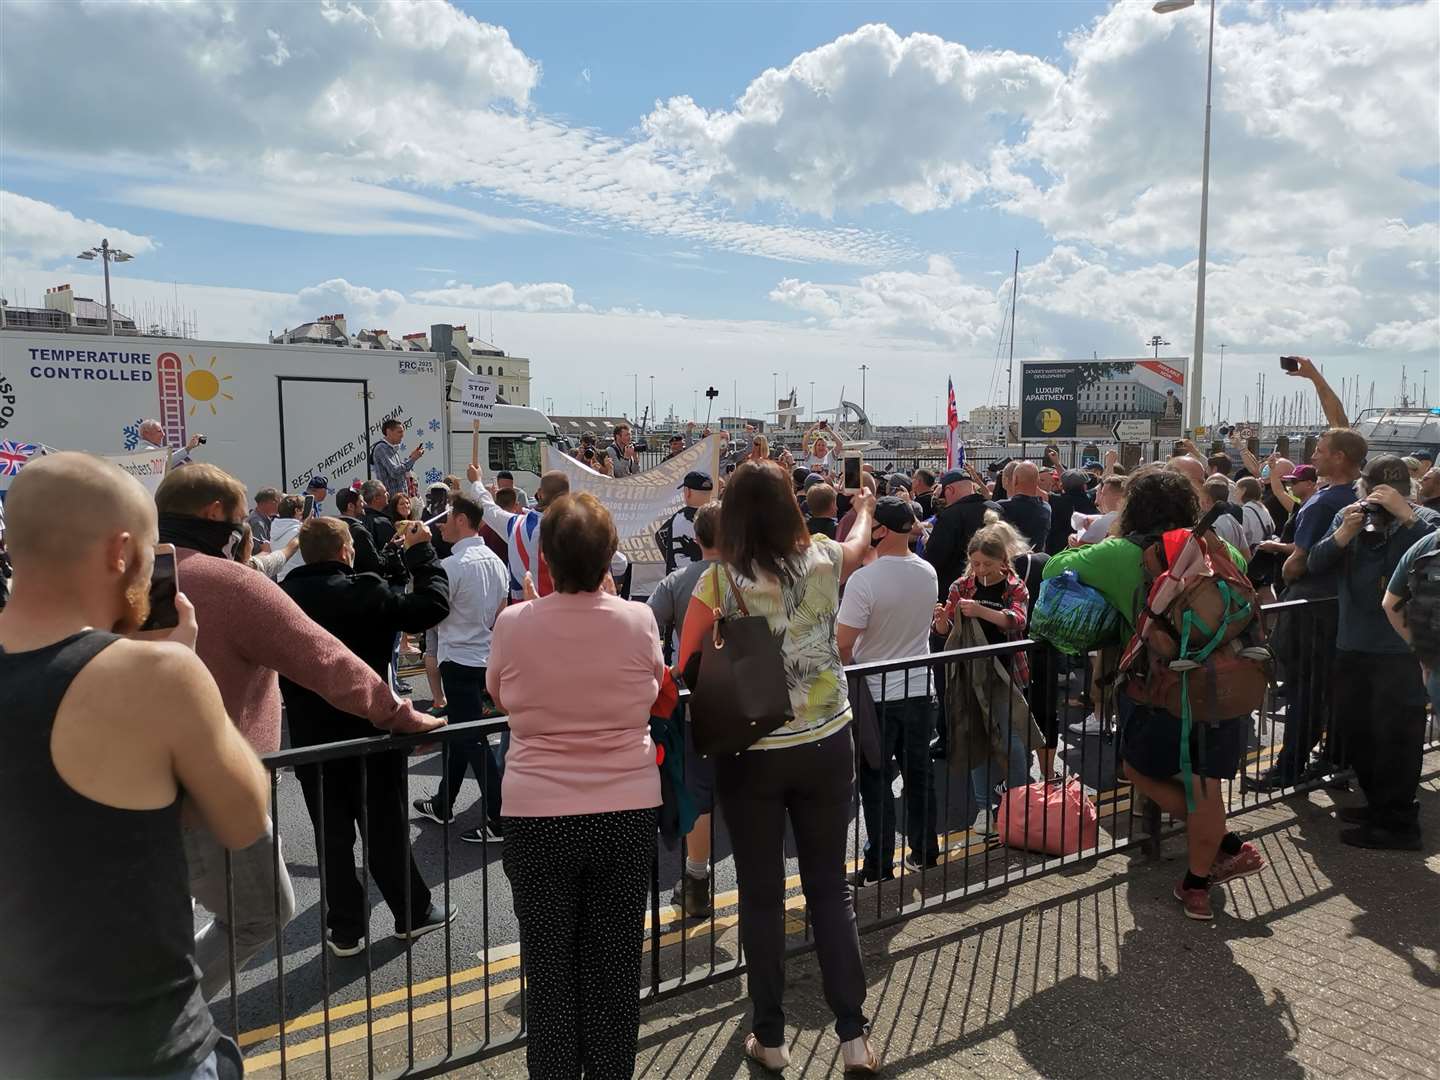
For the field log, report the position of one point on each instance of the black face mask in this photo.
(876, 541)
(218, 538)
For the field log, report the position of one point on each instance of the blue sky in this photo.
(708, 193)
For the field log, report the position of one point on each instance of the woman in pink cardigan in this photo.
(577, 672)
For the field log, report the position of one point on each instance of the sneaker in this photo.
(914, 866)
(341, 946)
(489, 833)
(773, 1058)
(1354, 815)
(859, 1056)
(1196, 901)
(1243, 863)
(433, 920)
(428, 808)
(1269, 780)
(1381, 839)
(1091, 725)
(692, 896)
(984, 823)
(866, 878)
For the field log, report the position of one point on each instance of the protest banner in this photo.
(477, 397)
(147, 466)
(640, 504)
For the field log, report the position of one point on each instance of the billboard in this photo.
(1084, 399)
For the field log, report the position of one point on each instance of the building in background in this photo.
(1104, 402)
(64, 311)
(988, 419)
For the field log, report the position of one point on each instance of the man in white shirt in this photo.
(479, 585)
(885, 615)
(1228, 526)
(152, 437)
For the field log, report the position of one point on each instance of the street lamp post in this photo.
(1197, 362)
(106, 254)
(652, 395)
(863, 369)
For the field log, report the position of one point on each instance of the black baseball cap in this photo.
(698, 481)
(953, 476)
(894, 513)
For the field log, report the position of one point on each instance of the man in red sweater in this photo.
(249, 631)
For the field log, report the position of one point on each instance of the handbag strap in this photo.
(735, 591)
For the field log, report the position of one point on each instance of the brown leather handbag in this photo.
(738, 690)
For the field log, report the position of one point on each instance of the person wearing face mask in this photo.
(252, 632)
(364, 612)
(96, 928)
(885, 615)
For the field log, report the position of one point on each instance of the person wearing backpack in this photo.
(1158, 746)
(1380, 703)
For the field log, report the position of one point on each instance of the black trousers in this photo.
(378, 800)
(465, 696)
(1309, 669)
(1380, 699)
(905, 729)
(580, 886)
(814, 785)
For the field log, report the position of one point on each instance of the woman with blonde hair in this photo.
(994, 596)
(759, 449)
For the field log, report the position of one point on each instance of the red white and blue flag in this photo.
(14, 455)
(954, 448)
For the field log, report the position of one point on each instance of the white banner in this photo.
(640, 504)
(477, 397)
(147, 466)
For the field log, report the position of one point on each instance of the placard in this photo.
(477, 397)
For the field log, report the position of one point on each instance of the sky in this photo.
(747, 195)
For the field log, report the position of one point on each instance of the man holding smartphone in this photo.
(96, 928)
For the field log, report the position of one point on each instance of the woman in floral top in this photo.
(803, 771)
(991, 592)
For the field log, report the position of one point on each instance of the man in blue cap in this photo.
(676, 538)
(318, 487)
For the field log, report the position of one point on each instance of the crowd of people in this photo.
(281, 603)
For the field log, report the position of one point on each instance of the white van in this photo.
(512, 441)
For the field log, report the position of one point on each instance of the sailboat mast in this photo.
(1010, 373)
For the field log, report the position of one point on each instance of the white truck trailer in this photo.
(272, 415)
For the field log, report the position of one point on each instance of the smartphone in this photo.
(309, 509)
(854, 467)
(164, 584)
(1290, 363)
(1282, 446)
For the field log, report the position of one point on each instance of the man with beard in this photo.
(103, 735)
(252, 630)
(520, 530)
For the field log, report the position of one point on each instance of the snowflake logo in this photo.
(434, 425)
(433, 476)
(131, 434)
(429, 446)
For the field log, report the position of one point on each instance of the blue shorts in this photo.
(1150, 743)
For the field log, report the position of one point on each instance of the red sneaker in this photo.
(1196, 901)
(1243, 863)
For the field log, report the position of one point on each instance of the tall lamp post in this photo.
(106, 254)
(1197, 361)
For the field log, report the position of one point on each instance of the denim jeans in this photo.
(465, 694)
(984, 777)
(905, 728)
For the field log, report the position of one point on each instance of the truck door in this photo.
(324, 431)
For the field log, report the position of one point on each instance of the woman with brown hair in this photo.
(399, 508)
(579, 794)
(805, 769)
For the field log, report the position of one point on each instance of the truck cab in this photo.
(513, 441)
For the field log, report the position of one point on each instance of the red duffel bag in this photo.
(1052, 817)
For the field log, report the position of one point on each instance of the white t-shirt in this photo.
(891, 602)
(1233, 533)
(282, 531)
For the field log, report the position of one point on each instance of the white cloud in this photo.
(870, 117)
(1406, 336)
(34, 229)
(541, 296)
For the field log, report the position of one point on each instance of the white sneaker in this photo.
(1091, 725)
(859, 1056)
(984, 823)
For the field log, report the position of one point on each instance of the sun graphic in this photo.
(204, 386)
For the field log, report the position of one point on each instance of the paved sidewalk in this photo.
(1327, 965)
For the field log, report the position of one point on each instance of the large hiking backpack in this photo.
(1422, 610)
(1199, 648)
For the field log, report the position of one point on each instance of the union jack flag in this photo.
(14, 455)
(954, 448)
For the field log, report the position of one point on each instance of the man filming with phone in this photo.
(252, 631)
(106, 733)
(152, 437)
(387, 461)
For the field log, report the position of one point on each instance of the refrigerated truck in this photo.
(272, 415)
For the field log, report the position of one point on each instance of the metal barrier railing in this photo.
(681, 954)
